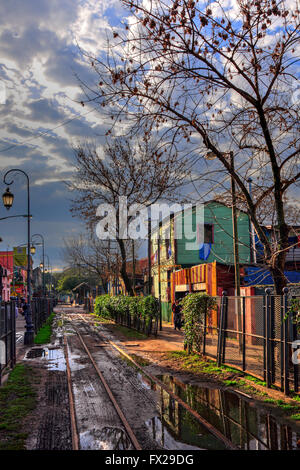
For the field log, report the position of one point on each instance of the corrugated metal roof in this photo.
(259, 276)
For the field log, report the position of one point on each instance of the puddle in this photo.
(247, 426)
(33, 353)
(107, 438)
(54, 358)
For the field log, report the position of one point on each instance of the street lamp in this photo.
(8, 201)
(32, 250)
(43, 260)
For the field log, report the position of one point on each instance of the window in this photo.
(208, 233)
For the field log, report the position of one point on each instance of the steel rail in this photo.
(121, 415)
(74, 431)
(154, 379)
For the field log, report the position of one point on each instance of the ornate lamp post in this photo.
(49, 272)
(42, 265)
(8, 199)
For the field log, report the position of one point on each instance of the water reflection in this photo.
(107, 438)
(177, 429)
(247, 426)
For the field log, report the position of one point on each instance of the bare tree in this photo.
(222, 78)
(140, 171)
(89, 253)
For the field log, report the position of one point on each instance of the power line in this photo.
(42, 134)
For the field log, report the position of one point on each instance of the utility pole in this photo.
(254, 257)
(235, 233)
(133, 267)
(159, 280)
(149, 256)
(108, 265)
(236, 255)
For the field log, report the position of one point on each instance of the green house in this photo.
(211, 227)
(210, 224)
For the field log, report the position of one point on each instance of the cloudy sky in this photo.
(40, 62)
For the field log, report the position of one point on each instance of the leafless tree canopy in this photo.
(222, 77)
(140, 171)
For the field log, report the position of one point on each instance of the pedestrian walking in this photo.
(176, 307)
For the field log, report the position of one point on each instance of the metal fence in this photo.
(145, 325)
(252, 334)
(89, 304)
(41, 309)
(7, 335)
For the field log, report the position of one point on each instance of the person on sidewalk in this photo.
(177, 315)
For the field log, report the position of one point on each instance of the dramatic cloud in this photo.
(41, 65)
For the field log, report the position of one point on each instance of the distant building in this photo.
(213, 248)
(15, 284)
(37, 282)
(116, 284)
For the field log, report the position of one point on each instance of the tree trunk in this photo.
(123, 271)
(278, 265)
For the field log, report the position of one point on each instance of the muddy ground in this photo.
(156, 420)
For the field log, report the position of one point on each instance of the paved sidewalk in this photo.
(20, 331)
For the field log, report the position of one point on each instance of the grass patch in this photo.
(194, 363)
(257, 381)
(98, 319)
(128, 333)
(17, 399)
(230, 383)
(44, 334)
(270, 400)
(140, 360)
(295, 416)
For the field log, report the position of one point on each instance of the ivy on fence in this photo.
(194, 309)
(121, 307)
(294, 310)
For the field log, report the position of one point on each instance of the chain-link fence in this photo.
(7, 335)
(256, 335)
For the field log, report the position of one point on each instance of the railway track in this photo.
(75, 438)
(75, 435)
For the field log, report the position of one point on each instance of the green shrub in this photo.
(194, 307)
(101, 304)
(122, 305)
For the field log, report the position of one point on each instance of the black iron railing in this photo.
(7, 336)
(255, 334)
(41, 309)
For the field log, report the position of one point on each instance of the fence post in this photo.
(294, 337)
(220, 352)
(244, 332)
(224, 327)
(285, 343)
(13, 333)
(267, 336)
(204, 330)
